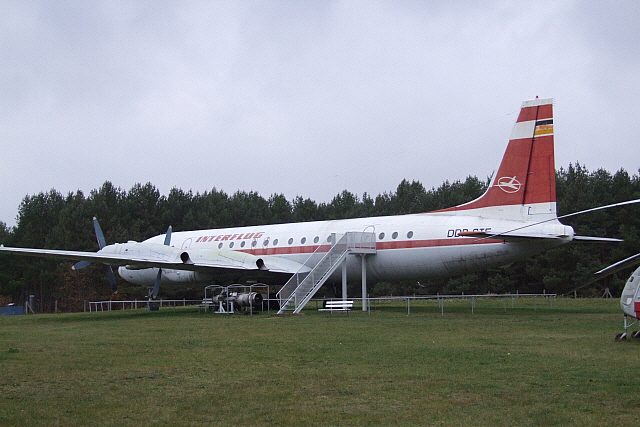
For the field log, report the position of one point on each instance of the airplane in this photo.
(514, 219)
(630, 298)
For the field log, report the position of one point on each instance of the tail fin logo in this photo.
(509, 184)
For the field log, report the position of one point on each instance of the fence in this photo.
(135, 304)
(442, 298)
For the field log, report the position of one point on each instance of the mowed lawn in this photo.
(533, 364)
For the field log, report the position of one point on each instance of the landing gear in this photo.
(152, 304)
(627, 324)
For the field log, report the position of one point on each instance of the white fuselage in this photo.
(408, 246)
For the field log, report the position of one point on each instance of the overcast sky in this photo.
(304, 98)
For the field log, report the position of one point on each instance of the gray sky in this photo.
(304, 98)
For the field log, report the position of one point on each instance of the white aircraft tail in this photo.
(524, 187)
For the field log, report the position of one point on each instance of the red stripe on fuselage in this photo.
(401, 244)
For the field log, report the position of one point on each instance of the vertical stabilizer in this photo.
(526, 176)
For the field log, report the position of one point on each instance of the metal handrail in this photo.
(360, 242)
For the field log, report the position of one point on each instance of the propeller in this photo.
(153, 291)
(101, 243)
(156, 285)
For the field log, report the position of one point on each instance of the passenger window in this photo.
(381, 236)
(303, 240)
(394, 235)
(275, 242)
(242, 244)
(230, 245)
(290, 240)
(316, 239)
(219, 245)
(409, 234)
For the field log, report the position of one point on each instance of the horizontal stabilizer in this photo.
(515, 237)
(509, 236)
(596, 239)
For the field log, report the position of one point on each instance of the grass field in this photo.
(527, 365)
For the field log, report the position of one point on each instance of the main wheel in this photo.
(621, 337)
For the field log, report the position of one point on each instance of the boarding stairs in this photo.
(301, 287)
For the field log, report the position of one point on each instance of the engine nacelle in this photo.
(244, 299)
(249, 299)
(147, 276)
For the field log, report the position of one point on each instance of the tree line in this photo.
(56, 221)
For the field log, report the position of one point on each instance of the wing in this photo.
(145, 255)
(63, 255)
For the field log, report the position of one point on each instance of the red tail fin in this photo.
(527, 173)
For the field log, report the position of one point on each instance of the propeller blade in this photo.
(156, 284)
(112, 278)
(99, 234)
(620, 265)
(101, 243)
(167, 237)
(81, 264)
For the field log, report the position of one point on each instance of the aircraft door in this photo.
(370, 229)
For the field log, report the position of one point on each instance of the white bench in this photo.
(206, 305)
(340, 305)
